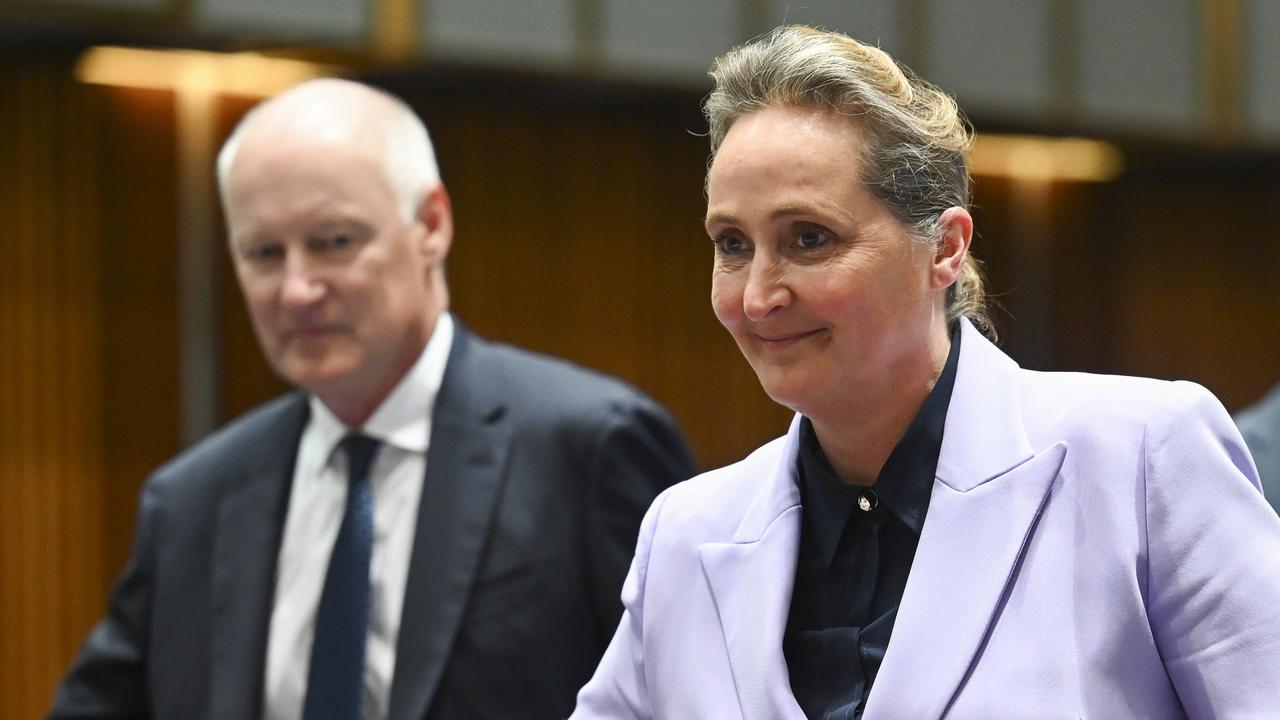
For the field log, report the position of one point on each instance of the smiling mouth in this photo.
(782, 341)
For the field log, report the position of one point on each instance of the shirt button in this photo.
(867, 500)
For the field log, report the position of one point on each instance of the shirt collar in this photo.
(404, 417)
(906, 480)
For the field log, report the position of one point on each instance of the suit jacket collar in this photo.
(248, 525)
(990, 489)
(465, 464)
(464, 478)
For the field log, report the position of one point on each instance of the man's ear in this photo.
(435, 213)
(953, 247)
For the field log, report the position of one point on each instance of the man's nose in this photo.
(766, 290)
(301, 286)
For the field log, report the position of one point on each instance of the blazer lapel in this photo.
(245, 545)
(466, 464)
(966, 560)
(990, 490)
(751, 580)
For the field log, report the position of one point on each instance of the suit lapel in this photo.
(246, 544)
(966, 560)
(990, 490)
(466, 464)
(751, 580)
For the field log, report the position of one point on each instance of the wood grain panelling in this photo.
(51, 481)
(1196, 297)
(137, 193)
(88, 376)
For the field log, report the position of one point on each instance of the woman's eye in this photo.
(729, 244)
(810, 239)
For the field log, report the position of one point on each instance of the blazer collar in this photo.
(466, 464)
(245, 546)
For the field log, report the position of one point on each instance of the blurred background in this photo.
(1127, 204)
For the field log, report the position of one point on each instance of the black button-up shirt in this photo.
(853, 562)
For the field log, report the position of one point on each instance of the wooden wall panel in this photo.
(137, 191)
(51, 482)
(1196, 261)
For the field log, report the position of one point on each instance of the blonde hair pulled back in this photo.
(915, 160)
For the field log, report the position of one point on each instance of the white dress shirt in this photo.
(316, 505)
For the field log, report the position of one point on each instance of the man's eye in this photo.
(266, 252)
(331, 243)
(810, 239)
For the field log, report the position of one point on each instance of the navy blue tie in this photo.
(335, 683)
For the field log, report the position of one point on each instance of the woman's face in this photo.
(826, 294)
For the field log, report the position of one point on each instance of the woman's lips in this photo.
(785, 340)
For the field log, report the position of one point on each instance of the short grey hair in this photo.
(915, 160)
(408, 158)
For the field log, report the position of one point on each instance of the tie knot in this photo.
(360, 450)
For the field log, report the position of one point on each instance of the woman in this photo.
(940, 533)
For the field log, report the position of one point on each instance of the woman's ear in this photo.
(953, 247)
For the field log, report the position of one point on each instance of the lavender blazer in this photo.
(1096, 547)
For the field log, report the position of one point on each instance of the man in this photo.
(438, 527)
(1260, 425)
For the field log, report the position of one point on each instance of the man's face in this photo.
(825, 292)
(337, 282)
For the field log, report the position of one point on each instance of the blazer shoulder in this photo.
(553, 385)
(1058, 405)
(709, 507)
(261, 433)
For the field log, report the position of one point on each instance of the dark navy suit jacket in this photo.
(537, 478)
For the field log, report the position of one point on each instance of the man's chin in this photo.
(316, 375)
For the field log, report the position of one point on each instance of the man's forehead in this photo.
(294, 170)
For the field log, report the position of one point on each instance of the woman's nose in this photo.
(766, 291)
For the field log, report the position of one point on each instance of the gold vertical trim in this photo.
(913, 35)
(198, 247)
(754, 18)
(396, 29)
(588, 32)
(1222, 69)
(1064, 60)
(181, 13)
